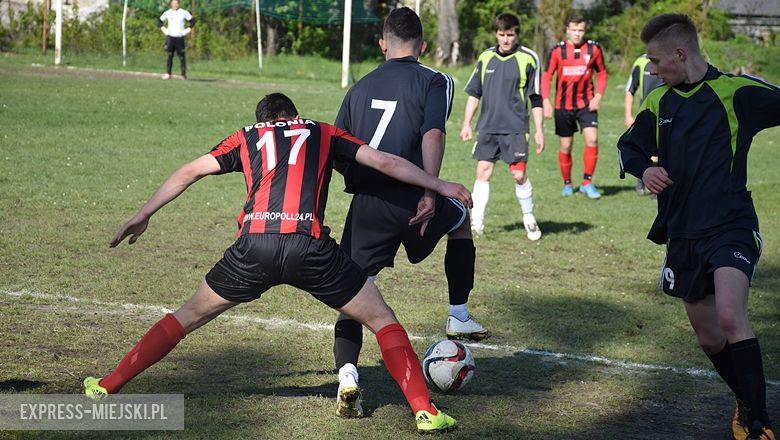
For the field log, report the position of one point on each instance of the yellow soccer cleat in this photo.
(93, 390)
(348, 403)
(739, 423)
(428, 423)
(764, 433)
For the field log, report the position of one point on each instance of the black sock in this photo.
(750, 374)
(348, 342)
(724, 365)
(459, 269)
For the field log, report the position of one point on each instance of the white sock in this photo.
(524, 195)
(461, 311)
(348, 375)
(480, 197)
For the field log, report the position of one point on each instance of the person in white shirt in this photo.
(174, 35)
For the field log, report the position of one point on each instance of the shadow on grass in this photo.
(553, 227)
(611, 190)
(19, 385)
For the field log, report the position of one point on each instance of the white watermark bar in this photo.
(76, 412)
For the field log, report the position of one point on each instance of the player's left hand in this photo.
(539, 138)
(135, 227)
(426, 209)
(187, 31)
(456, 191)
(656, 179)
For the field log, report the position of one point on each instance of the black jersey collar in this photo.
(712, 73)
(514, 49)
(409, 59)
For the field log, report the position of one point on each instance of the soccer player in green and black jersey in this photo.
(700, 124)
(506, 79)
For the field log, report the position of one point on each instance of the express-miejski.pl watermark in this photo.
(118, 412)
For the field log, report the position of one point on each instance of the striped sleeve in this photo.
(438, 103)
(533, 86)
(552, 68)
(228, 152)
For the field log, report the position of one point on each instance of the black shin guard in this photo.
(724, 365)
(749, 369)
(348, 342)
(459, 269)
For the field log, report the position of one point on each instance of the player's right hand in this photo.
(135, 227)
(164, 30)
(466, 134)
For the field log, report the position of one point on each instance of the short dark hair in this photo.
(574, 18)
(665, 27)
(275, 106)
(404, 24)
(507, 21)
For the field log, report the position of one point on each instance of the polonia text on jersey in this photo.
(280, 123)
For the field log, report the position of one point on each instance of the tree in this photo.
(447, 45)
(552, 15)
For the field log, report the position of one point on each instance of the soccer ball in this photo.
(448, 366)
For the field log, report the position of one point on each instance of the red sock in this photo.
(156, 343)
(564, 161)
(590, 156)
(403, 364)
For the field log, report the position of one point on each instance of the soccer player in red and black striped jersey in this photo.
(574, 62)
(402, 106)
(287, 162)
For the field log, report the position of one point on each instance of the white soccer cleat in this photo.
(348, 398)
(531, 227)
(468, 329)
(166, 76)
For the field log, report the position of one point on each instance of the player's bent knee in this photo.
(369, 308)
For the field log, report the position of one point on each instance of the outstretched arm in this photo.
(405, 171)
(173, 186)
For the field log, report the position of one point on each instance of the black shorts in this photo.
(174, 44)
(566, 121)
(377, 225)
(257, 262)
(689, 269)
(510, 147)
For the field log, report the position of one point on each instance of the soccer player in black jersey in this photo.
(700, 124)
(287, 162)
(401, 108)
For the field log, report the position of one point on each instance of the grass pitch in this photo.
(584, 345)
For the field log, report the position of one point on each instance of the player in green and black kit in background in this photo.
(506, 79)
(639, 84)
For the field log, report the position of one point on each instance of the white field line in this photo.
(279, 323)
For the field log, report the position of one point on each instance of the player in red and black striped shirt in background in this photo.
(287, 164)
(574, 62)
